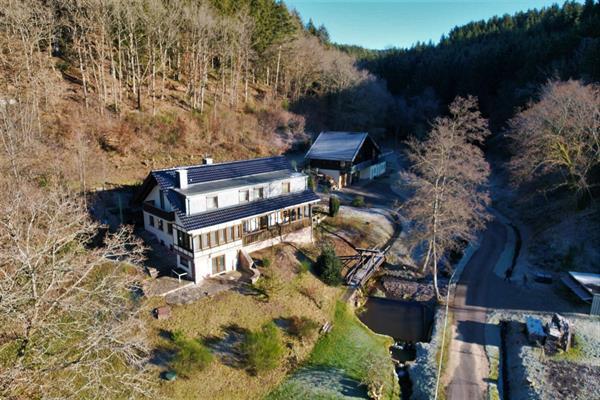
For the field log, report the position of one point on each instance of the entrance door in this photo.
(218, 264)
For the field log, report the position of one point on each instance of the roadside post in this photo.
(437, 382)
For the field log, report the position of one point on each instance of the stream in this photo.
(407, 322)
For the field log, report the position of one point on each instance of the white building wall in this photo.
(203, 260)
(155, 196)
(161, 235)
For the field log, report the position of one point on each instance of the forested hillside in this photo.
(126, 80)
(95, 93)
(502, 61)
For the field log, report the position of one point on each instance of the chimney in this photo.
(207, 160)
(182, 178)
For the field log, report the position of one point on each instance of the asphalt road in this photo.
(468, 367)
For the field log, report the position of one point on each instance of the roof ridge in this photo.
(221, 163)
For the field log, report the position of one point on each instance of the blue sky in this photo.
(379, 24)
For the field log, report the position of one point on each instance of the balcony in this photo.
(275, 231)
(149, 207)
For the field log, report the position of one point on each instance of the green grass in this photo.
(446, 346)
(349, 347)
(574, 354)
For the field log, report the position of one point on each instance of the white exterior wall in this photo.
(155, 196)
(230, 197)
(160, 235)
(373, 171)
(203, 260)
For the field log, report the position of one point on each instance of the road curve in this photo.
(468, 366)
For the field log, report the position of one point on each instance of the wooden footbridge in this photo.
(362, 265)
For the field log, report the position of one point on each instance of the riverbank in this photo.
(347, 363)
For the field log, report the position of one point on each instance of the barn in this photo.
(347, 157)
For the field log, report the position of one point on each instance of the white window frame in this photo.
(208, 202)
(247, 196)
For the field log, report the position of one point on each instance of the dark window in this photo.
(218, 264)
(160, 224)
(293, 214)
(170, 228)
(184, 262)
(151, 220)
(286, 216)
(183, 240)
(264, 222)
(161, 196)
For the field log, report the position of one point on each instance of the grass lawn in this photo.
(211, 319)
(350, 349)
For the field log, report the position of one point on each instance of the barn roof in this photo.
(338, 146)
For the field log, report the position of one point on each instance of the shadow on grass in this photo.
(319, 382)
(227, 348)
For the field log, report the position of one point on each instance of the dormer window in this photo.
(244, 196)
(212, 202)
(285, 187)
(259, 193)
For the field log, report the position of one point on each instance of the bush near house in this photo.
(329, 267)
(334, 206)
(302, 327)
(358, 201)
(263, 349)
(191, 355)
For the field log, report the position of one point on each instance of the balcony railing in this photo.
(149, 207)
(275, 231)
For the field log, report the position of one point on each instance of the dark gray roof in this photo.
(339, 146)
(219, 216)
(167, 178)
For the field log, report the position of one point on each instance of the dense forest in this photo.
(502, 61)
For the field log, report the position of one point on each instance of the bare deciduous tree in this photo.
(448, 176)
(69, 326)
(558, 135)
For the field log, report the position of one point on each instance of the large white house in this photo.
(208, 213)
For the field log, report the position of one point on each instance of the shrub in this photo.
(191, 355)
(358, 201)
(329, 267)
(266, 262)
(263, 349)
(302, 327)
(310, 182)
(304, 267)
(268, 285)
(334, 206)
